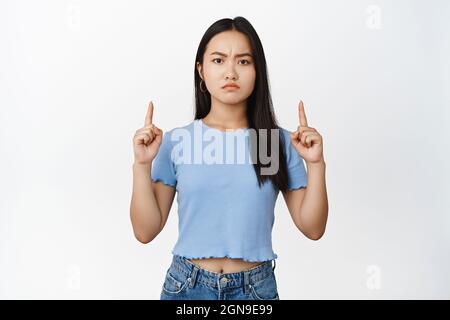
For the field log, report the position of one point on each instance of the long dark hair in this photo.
(260, 114)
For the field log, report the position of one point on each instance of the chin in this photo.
(231, 98)
(232, 101)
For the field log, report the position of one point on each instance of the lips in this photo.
(231, 85)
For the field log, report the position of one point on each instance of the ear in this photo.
(199, 69)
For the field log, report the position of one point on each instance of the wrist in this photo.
(139, 166)
(317, 164)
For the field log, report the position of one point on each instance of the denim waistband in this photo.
(222, 280)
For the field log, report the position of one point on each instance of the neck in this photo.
(227, 116)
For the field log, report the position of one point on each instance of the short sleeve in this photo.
(163, 167)
(297, 177)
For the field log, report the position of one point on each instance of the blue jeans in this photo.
(188, 281)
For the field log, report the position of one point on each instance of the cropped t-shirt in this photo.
(222, 211)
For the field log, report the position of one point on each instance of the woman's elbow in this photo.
(144, 238)
(314, 235)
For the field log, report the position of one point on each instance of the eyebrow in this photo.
(238, 55)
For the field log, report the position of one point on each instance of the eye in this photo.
(248, 62)
(216, 59)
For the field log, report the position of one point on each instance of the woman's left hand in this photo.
(306, 140)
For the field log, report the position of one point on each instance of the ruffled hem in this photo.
(259, 258)
(164, 181)
(297, 186)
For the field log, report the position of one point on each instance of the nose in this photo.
(231, 76)
(230, 72)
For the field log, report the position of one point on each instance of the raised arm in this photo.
(150, 202)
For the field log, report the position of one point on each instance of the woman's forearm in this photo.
(314, 208)
(144, 211)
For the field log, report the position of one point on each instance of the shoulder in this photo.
(285, 134)
(291, 154)
(172, 134)
(187, 126)
(284, 131)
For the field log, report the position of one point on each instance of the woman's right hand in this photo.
(147, 140)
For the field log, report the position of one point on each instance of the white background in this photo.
(75, 81)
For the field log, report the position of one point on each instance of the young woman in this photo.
(226, 210)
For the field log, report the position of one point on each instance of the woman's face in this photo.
(228, 59)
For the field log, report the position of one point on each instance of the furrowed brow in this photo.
(237, 55)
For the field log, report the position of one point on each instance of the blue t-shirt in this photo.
(222, 211)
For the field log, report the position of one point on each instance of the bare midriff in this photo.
(224, 265)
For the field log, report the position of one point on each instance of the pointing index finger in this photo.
(302, 114)
(149, 115)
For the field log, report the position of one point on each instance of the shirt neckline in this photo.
(235, 131)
